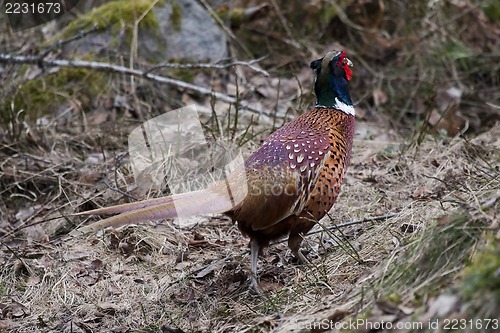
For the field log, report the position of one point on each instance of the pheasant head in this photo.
(333, 73)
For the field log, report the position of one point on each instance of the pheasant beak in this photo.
(349, 62)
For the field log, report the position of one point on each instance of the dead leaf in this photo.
(90, 273)
(194, 243)
(96, 265)
(446, 117)
(182, 256)
(421, 192)
(94, 159)
(210, 268)
(168, 329)
(68, 256)
(126, 247)
(114, 239)
(121, 102)
(114, 290)
(379, 97)
(36, 234)
(97, 117)
(7, 324)
(233, 90)
(440, 306)
(14, 310)
(198, 236)
(33, 281)
(108, 308)
(25, 213)
(445, 219)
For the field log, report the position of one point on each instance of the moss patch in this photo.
(115, 13)
(481, 278)
(40, 96)
(492, 11)
(176, 16)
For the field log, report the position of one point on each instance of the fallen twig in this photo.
(248, 64)
(368, 219)
(81, 34)
(342, 225)
(111, 68)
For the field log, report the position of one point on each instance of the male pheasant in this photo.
(292, 180)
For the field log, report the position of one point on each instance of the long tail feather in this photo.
(126, 207)
(182, 205)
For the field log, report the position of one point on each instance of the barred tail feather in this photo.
(182, 205)
(126, 207)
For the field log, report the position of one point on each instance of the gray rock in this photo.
(190, 34)
(185, 32)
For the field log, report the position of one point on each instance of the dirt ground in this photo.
(411, 245)
(159, 277)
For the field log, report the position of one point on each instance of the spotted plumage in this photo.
(284, 187)
(313, 150)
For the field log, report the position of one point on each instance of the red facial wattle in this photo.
(348, 72)
(344, 63)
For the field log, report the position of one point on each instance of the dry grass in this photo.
(195, 279)
(437, 252)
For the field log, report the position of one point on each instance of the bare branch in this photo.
(81, 34)
(111, 68)
(368, 219)
(248, 64)
(345, 19)
(346, 224)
